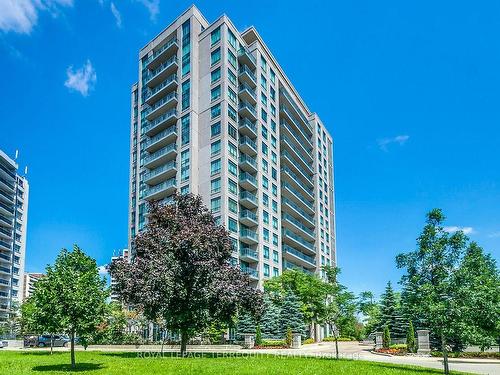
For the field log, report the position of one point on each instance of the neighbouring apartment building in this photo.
(30, 279)
(121, 255)
(214, 114)
(14, 191)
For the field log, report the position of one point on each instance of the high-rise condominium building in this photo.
(13, 221)
(214, 114)
(30, 280)
(124, 254)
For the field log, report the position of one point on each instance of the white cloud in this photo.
(20, 16)
(82, 80)
(494, 235)
(153, 7)
(385, 142)
(453, 229)
(103, 271)
(116, 14)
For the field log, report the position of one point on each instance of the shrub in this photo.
(410, 338)
(493, 355)
(288, 337)
(308, 341)
(398, 346)
(268, 343)
(258, 336)
(386, 338)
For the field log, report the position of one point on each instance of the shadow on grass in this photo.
(410, 368)
(63, 367)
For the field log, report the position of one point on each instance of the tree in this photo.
(269, 321)
(291, 317)
(258, 335)
(390, 314)
(181, 270)
(70, 298)
(410, 338)
(428, 287)
(370, 310)
(246, 323)
(386, 338)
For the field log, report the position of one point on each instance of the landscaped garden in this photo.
(14, 363)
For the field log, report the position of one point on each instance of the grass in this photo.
(93, 362)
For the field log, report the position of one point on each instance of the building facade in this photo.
(214, 114)
(124, 254)
(30, 279)
(14, 190)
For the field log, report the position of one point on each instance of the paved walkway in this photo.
(347, 350)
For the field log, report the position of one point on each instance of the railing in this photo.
(246, 251)
(299, 254)
(9, 197)
(292, 147)
(250, 271)
(161, 102)
(247, 141)
(159, 51)
(306, 174)
(297, 109)
(157, 88)
(248, 214)
(161, 68)
(290, 265)
(248, 177)
(5, 269)
(164, 185)
(8, 171)
(162, 151)
(297, 179)
(247, 70)
(7, 208)
(297, 194)
(170, 130)
(245, 232)
(247, 195)
(297, 223)
(160, 119)
(297, 238)
(6, 232)
(8, 183)
(298, 125)
(244, 158)
(246, 105)
(298, 209)
(245, 52)
(244, 86)
(10, 222)
(155, 172)
(6, 257)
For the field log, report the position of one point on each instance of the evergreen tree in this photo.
(390, 314)
(246, 323)
(410, 338)
(386, 338)
(258, 335)
(290, 316)
(270, 321)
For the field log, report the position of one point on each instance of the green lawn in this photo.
(13, 363)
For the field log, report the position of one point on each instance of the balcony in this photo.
(295, 108)
(6, 197)
(288, 159)
(164, 70)
(162, 190)
(248, 218)
(298, 257)
(4, 257)
(4, 282)
(292, 266)
(161, 156)
(248, 199)
(298, 197)
(298, 241)
(299, 129)
(247, 163)
(6, 221)
(157, 175)
(245, 74)
(247, 93)
(246, 57)
(161, 106)
(161, 139)
(5, 233)
(252, 272)
(161, 53)
(6, 210)
(4, 270)
(247, 110)
(247, 181)
(248, 236)
(151, 128)
(248, 146)
(169, 84)
(4, 295)
(249, 255)
(296, 225)
(296, 181)
(299, 212)
(247, 127)
(6, 185)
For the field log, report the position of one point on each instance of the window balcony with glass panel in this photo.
(297, 182)
(298, 257)
(161, 190)
(247, 110)
(252, 272)
(246, 57)
(248, 163)
(247, 127)
(297, 241)
(247, 93)
(160, 54)
(248, 146)
(248, 254)
(161, 173)
(160, 123)
(248, 199)
(248, 218)
(152, 95)
(297, 197)
(298, 128)
(161, 106)
(247, 181)
(157, 75)
(161, 139)
(248, 236)
(161, 156)
(297, 226)
(246, 74)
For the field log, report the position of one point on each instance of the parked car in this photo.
(59, 340)
(3, 344)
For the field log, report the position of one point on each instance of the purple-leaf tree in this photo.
(181, 271)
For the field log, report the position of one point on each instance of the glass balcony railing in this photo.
(249, 253)
(10, 197)
(5, 257)
(158, 52)
(160, 187)
(165, 65)
(166, 82)
(298, 239)
(308, 149)
(304, 172)
(5, 269)
(7, 208)
(155, 172)
(297, 223)
(244, 122)
(151, 124)
(247, 214)
(161, 152)
(302, 131)
(245, 52)
(246, 105)
(304, 214)
(298, 180)
(164, 133)
(296, 108)
(158, 104)
(6, 232)
(250, 271)
(248, 141)
(245, 232)
(8, 183)
(297, 194)
(247, 177)
(6, 221)
(244, 86)
(292, 266)
(244, 158)
(249, 196)
(246, 70)
(291, 250)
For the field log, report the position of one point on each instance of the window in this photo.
(275, 239)
(233, 150)
(264, 132)
(273, 126)
(215, 129)
(186, 48)
(275, 222)
(232, 187)
(273, 75)
(232, 225)
(215, 93)
(265, 199)
(272, 93)
(184, 189)
(263, 115)
(231, 58)
(266, 270)
(264, 148)
(215, 167)
(275, 256)
(215, 148)
(231, 76)
(275, 190)
(217, 220)
(265, 166)
(185, 130)
(263, 82)
(185, 165)
(231, 112)
(215, 186)
(265, 234)
(233, 206)
(215, 56)
(215, 111)
(263, 100)
(274, 157)
(266, 252)
(185, 94)
(233, 169)
(215, 204)
(273, 110)
(232, 39)
(232, 95)
(233, 133)
(265, 182)
(263, 63)
(275, 272)
(215, 36)
(274, 174)
(275, 206)
(215, 75)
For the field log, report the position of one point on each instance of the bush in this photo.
(410, 338)
(258, 336)
(268, 343)
(386, 338)
(288, 337)
(308, 341)
(492, 355)
(399, 346)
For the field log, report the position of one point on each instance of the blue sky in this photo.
(409, 90)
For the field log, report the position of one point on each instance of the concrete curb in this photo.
(383, 354)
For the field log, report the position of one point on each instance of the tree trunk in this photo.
(445, 354)
(51, 344)
(336, 347)
(162, 336)
(73, 364)
(184, 340)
